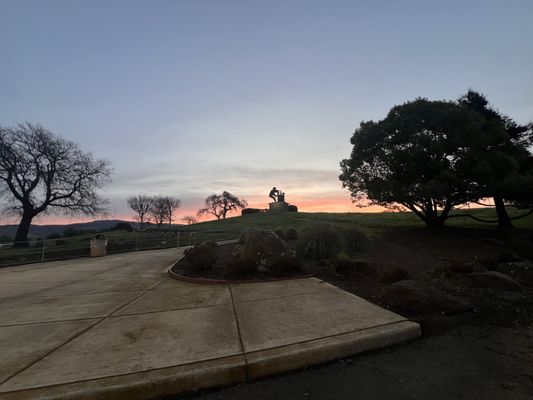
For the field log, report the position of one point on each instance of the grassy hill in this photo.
(371, 223)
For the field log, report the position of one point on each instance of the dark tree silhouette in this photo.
(142, 205)
(220, 204)
(44, 173)
(417, 156)
(171, 204)
(159, 210)
(503, 170)
(189, 220)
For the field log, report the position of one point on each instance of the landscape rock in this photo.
(265, 248)
(411, 296)
(521, 271)
(494, 280)
(202, 256)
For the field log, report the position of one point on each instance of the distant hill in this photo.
(45, 230)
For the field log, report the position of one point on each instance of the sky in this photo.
(190, 98)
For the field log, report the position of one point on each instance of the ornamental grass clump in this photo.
(318, 242)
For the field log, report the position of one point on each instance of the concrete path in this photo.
(119, 327)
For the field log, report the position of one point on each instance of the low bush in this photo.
(248, 211)
(353, 239)
(291, 234)
(346, 265)
(292, 208)
(318, 241)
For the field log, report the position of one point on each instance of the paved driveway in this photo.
(120, 326)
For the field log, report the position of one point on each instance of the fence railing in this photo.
(41, 250)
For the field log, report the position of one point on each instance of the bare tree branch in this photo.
(43, 173)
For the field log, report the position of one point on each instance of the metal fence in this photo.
(41, 250)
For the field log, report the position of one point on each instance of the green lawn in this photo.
(371, 223)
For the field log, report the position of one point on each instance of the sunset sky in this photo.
(190, 98)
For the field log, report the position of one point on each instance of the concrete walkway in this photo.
(119, 327)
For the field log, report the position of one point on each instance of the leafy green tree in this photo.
(504, 169)
(416, 158)
(220, 205)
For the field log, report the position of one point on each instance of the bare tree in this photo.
(158, 210)
(141, 204)
(220, 204)
(189, 220)
(43, 173)
(171, 205)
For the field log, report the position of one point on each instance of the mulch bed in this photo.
(424, 254)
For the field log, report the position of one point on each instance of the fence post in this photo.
(178, 240)
(192, 243)
(43, 253)
(228, 235)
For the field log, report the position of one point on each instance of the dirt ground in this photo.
(485, 353)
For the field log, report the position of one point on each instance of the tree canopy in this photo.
(220, 204)
(141, 205)
(417, 157)
(502, 170)
(44, 173)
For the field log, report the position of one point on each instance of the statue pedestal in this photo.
(278, 206)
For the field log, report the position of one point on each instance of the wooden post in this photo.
(44, 250)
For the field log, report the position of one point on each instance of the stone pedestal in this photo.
(278, 206)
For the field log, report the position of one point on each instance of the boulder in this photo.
(202, 256)
(521, 271)
(411, 296)
(494, 280)
(265, 248)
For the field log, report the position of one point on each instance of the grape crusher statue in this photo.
(279, 203)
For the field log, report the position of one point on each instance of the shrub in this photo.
(353, 239)
(280, 233)
(344, 264)
(247, 211)
(318, 241)
(395, 274)
(292, 208)
(202, 256)
(291, 234)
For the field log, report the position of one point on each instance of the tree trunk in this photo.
(434, 221)
(503, 218)
(21, 237)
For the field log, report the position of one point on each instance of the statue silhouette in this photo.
(273, 193)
